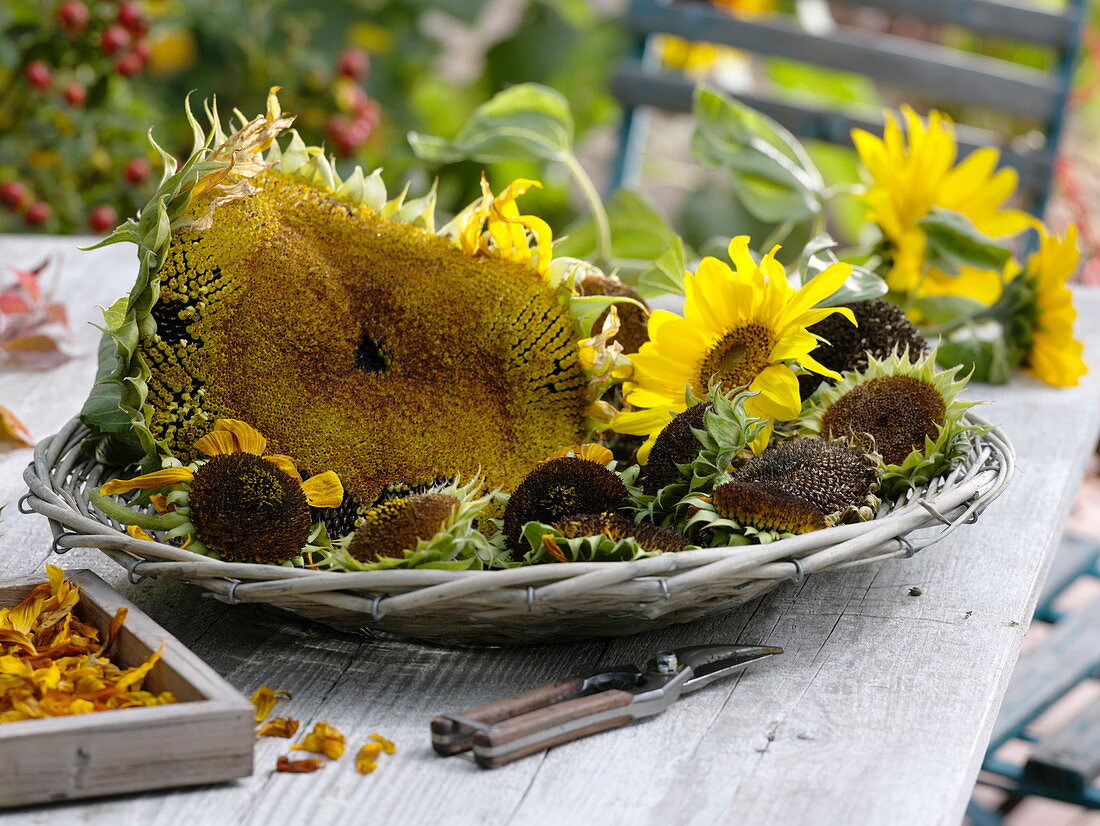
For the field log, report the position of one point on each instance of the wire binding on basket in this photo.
(22, 501)
(131, 571)
(799, 571)
(910, 551)
(57, 547)
(577, 600)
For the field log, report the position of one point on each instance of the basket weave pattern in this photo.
(519, 605)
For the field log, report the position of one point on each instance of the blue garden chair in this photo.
(935, 72)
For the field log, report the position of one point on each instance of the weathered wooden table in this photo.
(878, 712)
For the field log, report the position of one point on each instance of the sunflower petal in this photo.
(249, 439)
(216, 443)
(324, 490)
(284, 463)
(149, 481)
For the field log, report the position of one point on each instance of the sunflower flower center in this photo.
(246, 509)
(735, 359)
(767, 506)
(892, 415)
(394, 527)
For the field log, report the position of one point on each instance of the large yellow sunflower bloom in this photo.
(1055, 355)
(911, 176)
(741, 327)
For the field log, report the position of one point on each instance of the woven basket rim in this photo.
(60, 477)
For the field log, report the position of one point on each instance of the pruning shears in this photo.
(517, 726)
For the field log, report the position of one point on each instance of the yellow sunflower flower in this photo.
(240, 504)
(494, 226)
(911, 175)
(741, 327)
(1055, 355)
(697, 58)
(232, 436)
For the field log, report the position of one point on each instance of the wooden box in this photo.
(206, 737)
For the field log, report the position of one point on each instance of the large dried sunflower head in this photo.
(342, 324)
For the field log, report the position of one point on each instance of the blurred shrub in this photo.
(360, 74)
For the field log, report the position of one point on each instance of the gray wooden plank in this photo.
(879, 711)
(1068, 655)
(636, 86)
(945, 73)
(1069, 758)
(1017, 22)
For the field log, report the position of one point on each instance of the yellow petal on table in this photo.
(388, 746)
(279, 727)
(325, 739)
(286, 765)
(365, 761)
(265, 698)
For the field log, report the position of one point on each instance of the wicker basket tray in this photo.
(520, 605)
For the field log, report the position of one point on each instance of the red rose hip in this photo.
(103, 218)
(75, 94)
(14, 194)
(115, 38)
(37, 213)
(137, 170)
(38, 74)
(73, 16)
(354, 63)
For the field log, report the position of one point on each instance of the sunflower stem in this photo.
(123, 514)
(595, 205)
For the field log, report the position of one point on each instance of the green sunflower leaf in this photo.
(954, 242)
(818, 255)
(773, 177)
(666, 276)
(525, 122)
(639, 232)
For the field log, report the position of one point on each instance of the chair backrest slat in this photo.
(990, 17)
(907, 64)
(936, 72)
(634, 86)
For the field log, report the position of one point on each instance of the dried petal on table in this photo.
(325, 739)
(278, 727)
(34, 332)
(265, 698)
(388, 746)
(13, 435)
(366, 760)
(286, 765)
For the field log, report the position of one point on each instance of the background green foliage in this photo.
(73, 157)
